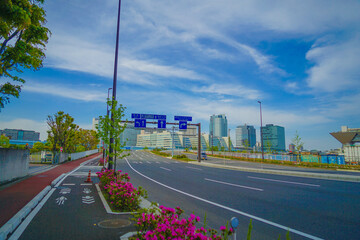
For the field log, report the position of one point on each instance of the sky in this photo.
(198, 58)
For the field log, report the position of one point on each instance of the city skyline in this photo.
(218, 57)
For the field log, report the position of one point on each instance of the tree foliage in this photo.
(4, 141)
(23, 37)
(38, 147)
(298, 144)
(62, 131)
(112, 128)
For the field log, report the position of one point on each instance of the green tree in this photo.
(62, 131)
(37, 147)
(4, 141)
(112, 128)
(268, 145)
(23, 37)
(298, 145)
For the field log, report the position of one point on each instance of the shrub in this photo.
(168, 225)
(121, 194)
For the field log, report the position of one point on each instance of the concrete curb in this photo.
(338, 177)
(15, 221)
(53, 183)
(127, 235)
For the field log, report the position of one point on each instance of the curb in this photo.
(337, 177)
(15, 221)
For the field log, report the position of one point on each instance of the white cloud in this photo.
(202, 109)
(233, 90)
(27, 124)
(66, 91)
(336, 66)
(74, 54)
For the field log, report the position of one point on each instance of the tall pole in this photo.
(261, 134)
(111, 150)
(212, 143)
(199, 142)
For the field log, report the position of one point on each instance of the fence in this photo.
(329, 159)
(47, 156)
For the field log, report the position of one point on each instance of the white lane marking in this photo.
(231, 209)
(140, 162)
(158, 162)
(86, 184)
(165, 169)
(148, 162)
(194, 168)
(166, 162)
(274, 180)
(88, 199)
(61, 200)
(235, 185)
(65, 191)
(68, 184)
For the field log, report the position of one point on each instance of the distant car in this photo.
(203, 156)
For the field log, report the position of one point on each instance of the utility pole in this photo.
(261, 134)
(111, 150)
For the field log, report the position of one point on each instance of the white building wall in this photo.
(352, 153)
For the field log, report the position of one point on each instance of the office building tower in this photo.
(273, 137)
(245, 136)
(22, 135)
(129, 135)
(218, 125)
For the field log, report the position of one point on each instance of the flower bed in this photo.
(167, 224)
(121, 195)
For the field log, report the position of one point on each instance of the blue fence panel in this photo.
(324, 159)
(332, 159)
(341, 160)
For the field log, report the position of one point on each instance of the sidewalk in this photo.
(16, 196)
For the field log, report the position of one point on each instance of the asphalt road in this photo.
(309, 208)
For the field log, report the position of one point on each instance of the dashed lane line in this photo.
(166, 169)
(274, 180)
(235, 185)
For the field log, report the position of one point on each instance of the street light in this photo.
(261, 134)
(111, 150)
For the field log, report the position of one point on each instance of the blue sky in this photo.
(198, 58)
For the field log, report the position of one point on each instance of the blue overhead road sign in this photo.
(182, 118)
(140, 123)
(183, 125)
(148, 116)
(162, 124)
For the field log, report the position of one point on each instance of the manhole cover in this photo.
(114, 223)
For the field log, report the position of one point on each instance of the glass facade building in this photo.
(273, 137)
(245, 136)
(19, 134)
(218, 125)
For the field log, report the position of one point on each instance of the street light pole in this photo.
(111, 150)
(261, 133)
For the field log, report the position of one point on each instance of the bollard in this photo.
(234, 222)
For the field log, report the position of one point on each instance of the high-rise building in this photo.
(245, 136)
(218, 125)
(22, 135)
(273, 137)
(95, 122)
(129, 135)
